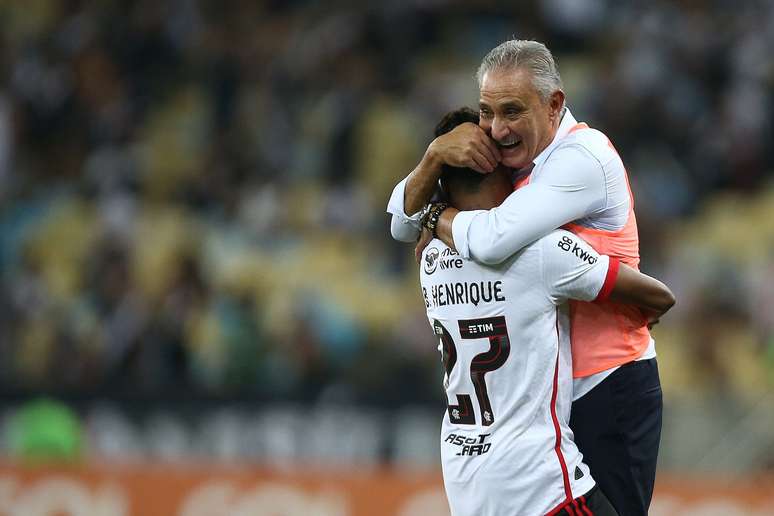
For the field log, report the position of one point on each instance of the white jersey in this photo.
(506, 447)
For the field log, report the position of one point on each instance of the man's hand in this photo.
(424, 238)
(467, 145)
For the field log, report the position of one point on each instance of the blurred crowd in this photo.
(192, 192)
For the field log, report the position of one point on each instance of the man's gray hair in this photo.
(526, 54)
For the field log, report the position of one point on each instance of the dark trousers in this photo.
(617, 427)
(594, 502)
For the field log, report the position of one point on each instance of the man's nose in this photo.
(499, 129)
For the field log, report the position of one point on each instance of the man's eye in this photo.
(485, 113)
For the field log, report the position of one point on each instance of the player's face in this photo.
(516, 117)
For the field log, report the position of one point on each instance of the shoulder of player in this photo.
(551, 241)
(561, 244)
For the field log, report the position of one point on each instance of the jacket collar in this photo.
(567, 123)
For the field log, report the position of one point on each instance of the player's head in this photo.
(466, 188)
(520, 99)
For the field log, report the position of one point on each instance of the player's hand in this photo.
(424, 238)
(467, 145)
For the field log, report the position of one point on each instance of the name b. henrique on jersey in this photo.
(459, 292)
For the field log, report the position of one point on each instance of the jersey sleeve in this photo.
(404, 228)
(572, 269)
(570, 186)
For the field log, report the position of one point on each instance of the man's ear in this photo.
(555, 103)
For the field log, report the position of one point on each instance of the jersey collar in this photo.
(567, 123)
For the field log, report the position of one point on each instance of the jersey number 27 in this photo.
(492, 328)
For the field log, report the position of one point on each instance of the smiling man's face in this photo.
(516, 117)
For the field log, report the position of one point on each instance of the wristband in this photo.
(432, 216)
(423, 214)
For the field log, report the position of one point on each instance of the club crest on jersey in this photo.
(431, 260)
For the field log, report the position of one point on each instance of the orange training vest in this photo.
(606, 334)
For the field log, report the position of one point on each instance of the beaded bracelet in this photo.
(434, 213)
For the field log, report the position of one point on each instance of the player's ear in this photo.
(444, 187)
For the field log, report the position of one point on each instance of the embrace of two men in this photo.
(554, 398)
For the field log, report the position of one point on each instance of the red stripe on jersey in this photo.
(610, 277)
(558, 446)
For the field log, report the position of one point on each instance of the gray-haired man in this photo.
(569, 176)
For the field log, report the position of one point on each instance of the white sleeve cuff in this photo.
(402, 227)
(460, 226)
(395, 205)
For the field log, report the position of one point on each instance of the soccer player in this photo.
(504, 332)
(568, 175)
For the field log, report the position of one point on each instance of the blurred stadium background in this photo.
(202, 312)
